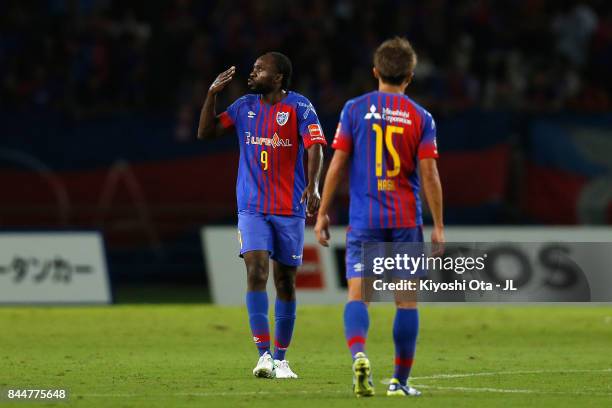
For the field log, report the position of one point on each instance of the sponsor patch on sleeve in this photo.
(315, 131)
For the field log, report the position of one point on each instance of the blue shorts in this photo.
(281, 235)
(356, 237)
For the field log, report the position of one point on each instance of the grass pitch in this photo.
(202, 356)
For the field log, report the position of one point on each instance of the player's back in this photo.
(386, 134)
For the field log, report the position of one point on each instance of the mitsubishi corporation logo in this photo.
(372, 113)
(390, 115)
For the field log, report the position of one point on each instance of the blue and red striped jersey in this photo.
(386, 135)
(272, 140)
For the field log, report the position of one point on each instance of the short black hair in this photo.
(284, 67)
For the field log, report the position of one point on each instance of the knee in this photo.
(285, 287)
(355, 296)
(257, 276)
(354, 291)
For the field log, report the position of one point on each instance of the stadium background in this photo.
(99, 102)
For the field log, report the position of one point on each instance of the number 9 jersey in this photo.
(272, 139)
(386, 135)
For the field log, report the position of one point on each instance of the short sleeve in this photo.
(343, 140)
(308, 123)
(228, 118)
(428, 148)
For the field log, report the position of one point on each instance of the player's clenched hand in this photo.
(437, 241)
(222, 79)
(322, 229)
(312, 198)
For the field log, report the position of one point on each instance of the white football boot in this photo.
(283, 370)
(398, 390)
(265, 367)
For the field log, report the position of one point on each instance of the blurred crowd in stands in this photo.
(90, 57)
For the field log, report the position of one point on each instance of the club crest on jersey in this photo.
(282, 118)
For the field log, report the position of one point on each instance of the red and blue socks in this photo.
(405, 331)
(284, 317)
(356, 324)
(257, 306)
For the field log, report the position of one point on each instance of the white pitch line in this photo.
(494, 373)
(483, 389)
(513, 390)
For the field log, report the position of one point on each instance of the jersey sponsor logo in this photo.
(251, 114)
(396, 116)
(372, 113)
(389, 115)
(282, 118)
(274, 141)
(315, 131)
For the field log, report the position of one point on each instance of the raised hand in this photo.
(222, 79)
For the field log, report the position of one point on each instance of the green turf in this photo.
(202, 356)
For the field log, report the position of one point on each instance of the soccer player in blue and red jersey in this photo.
(389, 144)
(274, 126)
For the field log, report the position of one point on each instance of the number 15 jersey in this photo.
(386, 135)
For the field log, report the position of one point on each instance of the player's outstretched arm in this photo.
(209, 126)
(332, 179)
(430, 179)
(311, 193)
